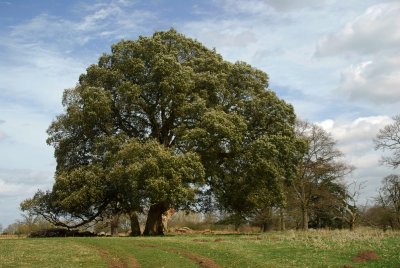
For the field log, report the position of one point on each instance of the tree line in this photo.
(163, 122)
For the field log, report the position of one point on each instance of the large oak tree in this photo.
(215, 123)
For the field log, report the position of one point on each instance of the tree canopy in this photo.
(156, 121)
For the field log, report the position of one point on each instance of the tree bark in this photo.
(135, 227)
(114, 224)
(304, 218)
(154, 223)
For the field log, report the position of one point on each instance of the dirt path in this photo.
(133, 261)
(116, 262)
(202, 261)
(113, 262)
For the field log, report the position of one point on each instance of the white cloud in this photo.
(249, 7)
(3, 136)
(361, 129)
(43, 28)
(17, 185)
(376, 81)
(355, 139)
(283, 45)
(92, 21)
(26, 177)
(99, 21)
(376, 30)
(370, 44)
(240, 38)
(25, 146)
(288, 5)
(278, 48)
(31, 68)
(327, 124)
(266, 6)
(52, 49)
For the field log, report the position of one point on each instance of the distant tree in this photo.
(326, 208)
(26, 225)
(388, 139)
(251, 183)
(389, 197)
(214, 121)
(349, 206)
(378, 216)
(267, 219)
(318, 179)
(339, 208)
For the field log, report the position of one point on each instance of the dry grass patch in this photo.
(366, 256)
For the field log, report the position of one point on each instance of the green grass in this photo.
(275, 249)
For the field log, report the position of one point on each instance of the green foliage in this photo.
(156, 173)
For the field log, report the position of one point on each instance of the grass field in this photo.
(366, 248)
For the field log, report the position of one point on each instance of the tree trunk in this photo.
(236, 226)
(398, 220)
(351, 225)
(135, 227)
(352, 221)
(154, 224)
(166, 216)
(304, 218)
(282, 219)
(114, 224)
(264, 227)
(267, 224)
(391, 224)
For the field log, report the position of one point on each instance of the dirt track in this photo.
(201, 261)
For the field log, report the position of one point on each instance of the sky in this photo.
(337, 62)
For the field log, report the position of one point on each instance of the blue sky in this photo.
(337, 62)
